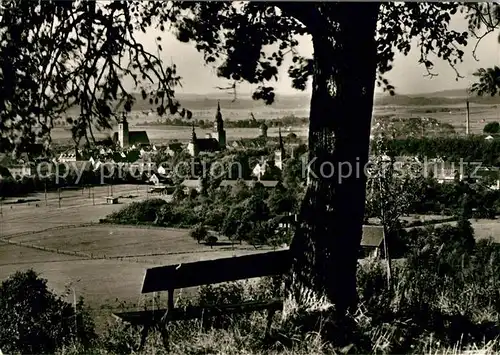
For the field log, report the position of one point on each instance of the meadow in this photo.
(103, 263)
(114, 257)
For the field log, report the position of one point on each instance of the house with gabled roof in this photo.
(190, 185)
(372, 241)
(69, 155)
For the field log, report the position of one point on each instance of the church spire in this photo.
(219, 123)
(281, 145)
(218, 115)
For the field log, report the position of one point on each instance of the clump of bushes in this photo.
(138, 212)
(211, 240)
(33, 320)
(241, 213)
(199, 233)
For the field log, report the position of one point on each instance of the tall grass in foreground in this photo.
(444, 299)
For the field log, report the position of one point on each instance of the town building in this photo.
(125, 138)
(268, 184)
(260, 170)
(279, 154)
(71, 155)
(212, 142)
(157, 179)
(372, 241)
(20, 170)
(173, 148)
(189, 185)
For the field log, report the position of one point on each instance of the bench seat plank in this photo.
(206, 272)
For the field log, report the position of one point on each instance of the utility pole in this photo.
(93, 200)
(384, 229)
(76, 312)
(467, 119)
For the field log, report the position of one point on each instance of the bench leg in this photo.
(144, 335)
(163, 327)
(270, 316)
(165, 335)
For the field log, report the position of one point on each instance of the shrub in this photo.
(199, 233)
(33, 320)
(138, 212)
(212, 240)
(492, 127)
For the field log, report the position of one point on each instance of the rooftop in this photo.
(373, 236)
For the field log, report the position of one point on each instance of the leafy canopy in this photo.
(81, 53)
(248, 41)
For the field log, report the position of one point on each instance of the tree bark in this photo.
(326, 244)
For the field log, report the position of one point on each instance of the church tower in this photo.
(193, 148)
(220, 133)
(123, 133)
(279, 155)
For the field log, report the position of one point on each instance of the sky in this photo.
(407, 75)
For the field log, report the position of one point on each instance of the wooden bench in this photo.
(173, 277)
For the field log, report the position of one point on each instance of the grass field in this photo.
(125, 253)
(483, 228)
(114, 258)
(486, 228)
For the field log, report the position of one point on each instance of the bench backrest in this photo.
(199, 273)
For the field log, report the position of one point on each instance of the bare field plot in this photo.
(76, 208)
(483, 228)
(488, 113)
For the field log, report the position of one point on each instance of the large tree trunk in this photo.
(325, 246)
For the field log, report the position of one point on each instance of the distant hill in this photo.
(196, 102)
(202, 102)
(283, 102)
(207, 102)
(430, 100)
(454, 93)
